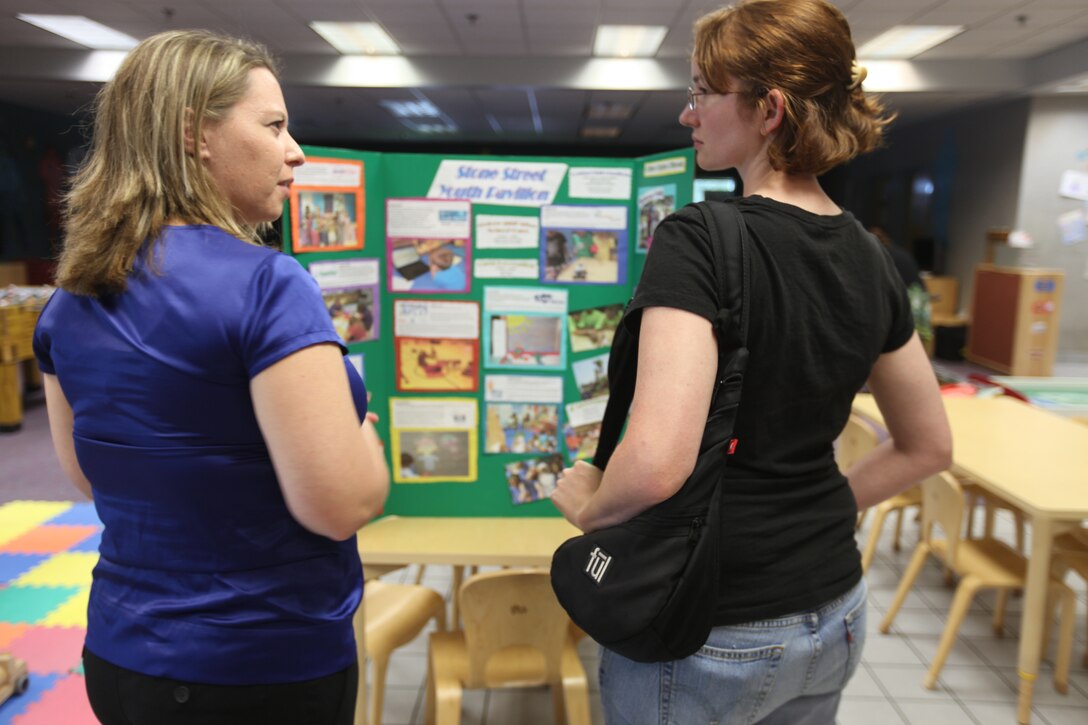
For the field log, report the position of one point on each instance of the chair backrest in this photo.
(514, 614)
(856, 439)
(943, 505)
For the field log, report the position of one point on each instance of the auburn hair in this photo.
(802, 48)
(138, 174)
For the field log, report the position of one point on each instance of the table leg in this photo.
(1032, 636)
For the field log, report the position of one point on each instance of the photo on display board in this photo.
(428, 265)
(583, 256)
(522, 428)
(354, 312)
(517, 340)
(327, 220)
(591, 376)
(434, 455)
(594, 328)
(533, 479)
(654, 204)
(437, 364)
(581, 440)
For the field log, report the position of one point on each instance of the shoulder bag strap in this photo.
(731, 268)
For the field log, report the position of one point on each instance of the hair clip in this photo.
(857, 75)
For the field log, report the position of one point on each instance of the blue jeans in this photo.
(785, 671)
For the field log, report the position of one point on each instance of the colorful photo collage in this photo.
(428, 245)
(523, 418)
(433, 439)
(327, 205)
(350, 290)
(521, 338)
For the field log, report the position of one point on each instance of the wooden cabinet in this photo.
(1014, 319)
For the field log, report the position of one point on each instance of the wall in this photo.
(35, 148)
(1057, 140)
(974, 160)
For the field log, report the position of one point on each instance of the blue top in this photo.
(204, 575)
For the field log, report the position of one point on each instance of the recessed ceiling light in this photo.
(411, 109)
(82, 30)
(628, 41)
(907, 41)
(600, 131)
(608, 111)
(356, 38)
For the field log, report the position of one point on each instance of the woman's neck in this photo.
(800, 190)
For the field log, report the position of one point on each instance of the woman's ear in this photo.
(192, 147)
(774, 111)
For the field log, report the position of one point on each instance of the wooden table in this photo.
(461, 542)
(1035, 460)
(483, 541)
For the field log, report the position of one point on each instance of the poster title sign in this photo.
(506, 183)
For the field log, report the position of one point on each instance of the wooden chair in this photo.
(856, 439)
(516, 635)
(1071, 552)
(390, 616)
(981, 564)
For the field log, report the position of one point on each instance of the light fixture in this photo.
(600, 131)
(411, 109)
(628, 41)
(82, 30)
(356, 38)
(1073, 85)
(902, 42)
(609, 111)
(419, 115)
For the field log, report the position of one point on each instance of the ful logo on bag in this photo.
(597, 564)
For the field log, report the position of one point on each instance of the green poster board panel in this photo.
(411, 176)
(408, 176)
(663, 183)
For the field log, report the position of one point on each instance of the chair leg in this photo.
(874, 537)
(965, 593)
(999, 612)
(572, 693)
(914, 568)
(377, 696)
(443, 700)
(455, 609)
(969, 507)
(359, 624)
(898, 529)
(861, 519)
(420, 572)
(1019, 516)
(1086, 656)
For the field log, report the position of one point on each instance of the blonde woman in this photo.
(196, 390)
(776, 94)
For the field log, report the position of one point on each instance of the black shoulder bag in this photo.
(646, 588)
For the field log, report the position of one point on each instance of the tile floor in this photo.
(978, 684)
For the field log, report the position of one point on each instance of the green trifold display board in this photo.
(477, 294)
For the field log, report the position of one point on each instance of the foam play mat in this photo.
(47, 552)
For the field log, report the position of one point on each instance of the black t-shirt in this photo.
(826, 301)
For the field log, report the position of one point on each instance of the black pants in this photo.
(123, 697)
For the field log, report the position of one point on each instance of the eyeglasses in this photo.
(693, 96)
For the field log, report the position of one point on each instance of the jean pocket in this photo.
(726, 685)
(854, 622)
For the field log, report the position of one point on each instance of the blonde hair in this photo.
(138, 173)
(802, 48)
